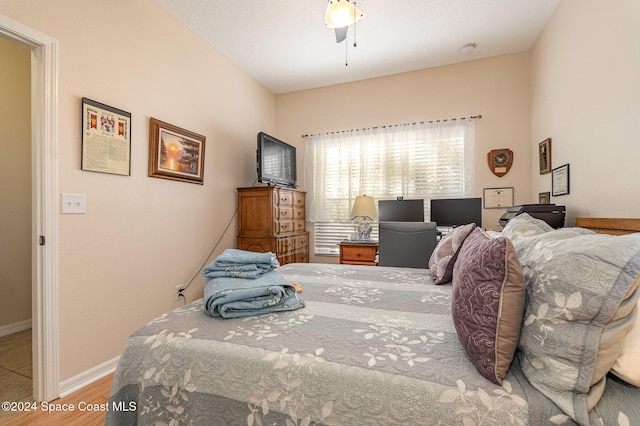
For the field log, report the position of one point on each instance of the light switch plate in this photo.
(74, 203)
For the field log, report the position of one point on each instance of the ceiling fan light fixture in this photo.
(342, 13)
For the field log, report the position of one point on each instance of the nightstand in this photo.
(353, 253)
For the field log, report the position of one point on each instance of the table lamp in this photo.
(363, 213)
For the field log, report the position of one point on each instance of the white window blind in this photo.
(422, 160)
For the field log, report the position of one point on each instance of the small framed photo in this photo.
(560, 180)
(544, 198)
(498, 198)
(544, 156)
(175, 153)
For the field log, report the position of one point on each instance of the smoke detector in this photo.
(468, 49)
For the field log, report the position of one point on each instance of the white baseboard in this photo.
(77, 382)
(15, 327)
(83, 379)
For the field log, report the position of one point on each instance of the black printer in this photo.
(550, 213)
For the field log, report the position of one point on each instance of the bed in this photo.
(383, 346)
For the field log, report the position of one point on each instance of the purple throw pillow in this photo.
(446, 252)
(488, 302)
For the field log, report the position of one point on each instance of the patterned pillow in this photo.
(488, 302)
(626, 366)
(444, 256)
(581, 295)
(524, 225)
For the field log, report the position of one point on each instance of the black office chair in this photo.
(407, 244)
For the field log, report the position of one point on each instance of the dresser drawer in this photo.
(300, 256)
(286, 245)
(284, 198)
(298, 199)
(284, 213)
(298, 212)
(285, 227)
(302, 241)
(299, 225)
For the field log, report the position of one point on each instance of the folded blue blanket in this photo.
(228, 297)
(240, 264)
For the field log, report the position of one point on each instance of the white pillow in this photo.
(627, 366)
(525, 225)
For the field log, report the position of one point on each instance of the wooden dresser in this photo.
(272, 218)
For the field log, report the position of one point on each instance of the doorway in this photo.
(16, 371)
(44, 189)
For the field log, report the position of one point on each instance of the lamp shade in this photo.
(364, 206)
(342, 13)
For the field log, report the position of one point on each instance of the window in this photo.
(425, 160)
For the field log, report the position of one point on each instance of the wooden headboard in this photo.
(611, 226)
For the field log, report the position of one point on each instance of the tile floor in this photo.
(15, 369)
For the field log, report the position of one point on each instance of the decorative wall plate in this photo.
(500, 161)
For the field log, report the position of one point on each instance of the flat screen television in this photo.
(401, 210)
(454, 212)
(276, 161)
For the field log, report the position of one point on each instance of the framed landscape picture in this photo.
(175, 153)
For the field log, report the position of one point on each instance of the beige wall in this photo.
(15, 183)
(120, 262)
(497, 88)
(586, 97)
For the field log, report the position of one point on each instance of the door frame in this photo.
(44, 207)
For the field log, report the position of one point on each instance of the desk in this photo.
(358, 253)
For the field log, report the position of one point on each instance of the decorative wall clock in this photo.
(500, 161)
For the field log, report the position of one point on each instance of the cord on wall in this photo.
(181, 291)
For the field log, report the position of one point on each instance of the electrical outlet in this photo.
(179, 290)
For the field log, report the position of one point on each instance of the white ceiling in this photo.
(285, 45)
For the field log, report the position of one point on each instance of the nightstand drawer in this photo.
(358, 253)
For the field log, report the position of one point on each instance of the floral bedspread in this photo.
(373, 346)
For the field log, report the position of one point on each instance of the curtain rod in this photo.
(391, 125)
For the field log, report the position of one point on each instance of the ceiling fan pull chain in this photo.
(355, 44)
(346, 54)
(355, 19)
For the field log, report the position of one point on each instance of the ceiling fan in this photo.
(339, 15)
